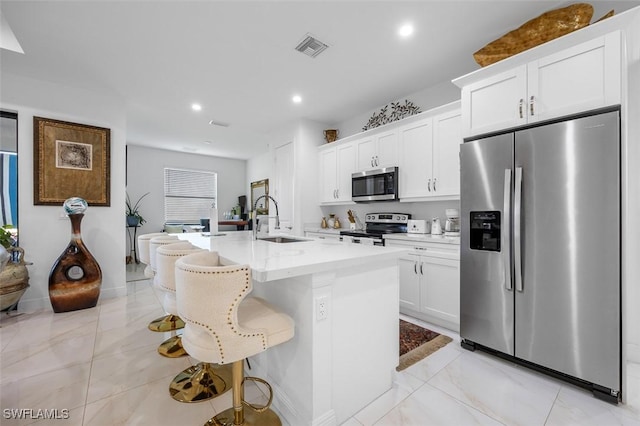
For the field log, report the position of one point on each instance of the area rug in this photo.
(417, 343)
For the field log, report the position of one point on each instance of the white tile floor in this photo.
(101, 365)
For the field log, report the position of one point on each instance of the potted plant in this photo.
(133, 213)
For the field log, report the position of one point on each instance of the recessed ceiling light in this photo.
(196, 107)
(296, 99)
(405, 30)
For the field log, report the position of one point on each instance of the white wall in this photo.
(145, 173)
(44, 235)
(426, 99)
(306, 136)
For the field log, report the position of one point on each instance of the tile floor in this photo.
(101, 365)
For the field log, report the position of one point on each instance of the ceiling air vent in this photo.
(311, 46)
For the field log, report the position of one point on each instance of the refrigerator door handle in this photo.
(517, 219)
(506, 237)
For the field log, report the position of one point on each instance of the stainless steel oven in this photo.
(375, 185)
(376, 225)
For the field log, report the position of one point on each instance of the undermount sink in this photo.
(282, 240)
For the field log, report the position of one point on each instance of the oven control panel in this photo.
(388, 217)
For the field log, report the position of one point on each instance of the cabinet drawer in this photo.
(441, 250)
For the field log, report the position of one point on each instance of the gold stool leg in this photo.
(241, 415)
(166, 323)
(201, 382)
(172, 347)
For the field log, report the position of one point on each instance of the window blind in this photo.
(188, 195)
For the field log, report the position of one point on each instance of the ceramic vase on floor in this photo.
(75, 278)
(14, 279)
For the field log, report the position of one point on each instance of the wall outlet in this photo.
(322, 308)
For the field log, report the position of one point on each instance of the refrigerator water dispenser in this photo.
(485, 231)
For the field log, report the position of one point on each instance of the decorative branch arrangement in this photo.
(398, 112)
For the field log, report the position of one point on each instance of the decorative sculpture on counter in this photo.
(75, 278)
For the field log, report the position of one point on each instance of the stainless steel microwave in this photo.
(375, 185)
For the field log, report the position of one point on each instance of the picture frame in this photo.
(71, 160)
(258, 189)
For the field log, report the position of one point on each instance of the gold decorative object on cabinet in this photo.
(546, 27)
(331, 135)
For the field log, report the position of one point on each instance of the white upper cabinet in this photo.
(416, 154)
(336, 165)
(377, 151)
(579, 78)
(429, 158)
(447, 131)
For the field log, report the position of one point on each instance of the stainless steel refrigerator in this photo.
(540, 248)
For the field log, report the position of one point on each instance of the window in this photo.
(8, 169)
(188, 195)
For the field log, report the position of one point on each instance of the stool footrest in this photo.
(258, 408)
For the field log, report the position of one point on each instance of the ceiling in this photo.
(237, 59)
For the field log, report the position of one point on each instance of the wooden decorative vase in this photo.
(75, 278)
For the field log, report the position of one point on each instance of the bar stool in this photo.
(224, 326)
(165, 280)
(143, 251)
(168, 322)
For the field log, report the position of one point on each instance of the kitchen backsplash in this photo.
(423, 210)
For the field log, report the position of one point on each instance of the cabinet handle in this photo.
(377, 161)
(421, 272)
(531, 105)
(434, 184)
(415, 268)
(520, 107)
(429, 185)
(371, 162)
(337, 193)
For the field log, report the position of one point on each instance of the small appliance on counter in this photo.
(418, 226)
(452, 225)
(436, 228)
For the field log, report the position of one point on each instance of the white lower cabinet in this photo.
(430, 283)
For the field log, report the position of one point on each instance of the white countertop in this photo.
(425, 238)
(272, 261)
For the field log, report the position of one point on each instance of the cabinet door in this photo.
(328, 174)
(580, 78)
(440, 288)
(409, 283)
(387, 149)
(416, 144)
(346, 161)
(496, 103)
(446, 154)
(366, 153)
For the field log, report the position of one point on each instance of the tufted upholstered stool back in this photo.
(166, 257)
(223, 325)
(156, 242)
(143, 251)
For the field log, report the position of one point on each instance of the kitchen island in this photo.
(344, 301)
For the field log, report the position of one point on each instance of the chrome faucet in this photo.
(254, 215)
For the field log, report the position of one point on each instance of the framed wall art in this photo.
(70, 160)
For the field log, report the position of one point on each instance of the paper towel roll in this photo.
(213, 220)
